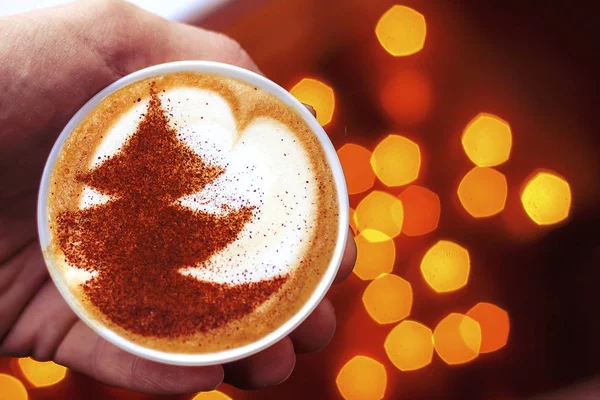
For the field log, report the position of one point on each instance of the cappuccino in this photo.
(191, 213)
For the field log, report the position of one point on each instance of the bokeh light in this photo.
(352, 219)
(401, 31)
(357, 169)
(494, 323)
(388, 299)
(380, 211)
(446, 266)
(409, 346)
(457, 339)
(487, 140)
(396, 160)
(547, 198)
(376, 257)
(482, 192)
(406, 96)
(362, 378)
(421, 210)
(11, 388)
(318, 95)
(41, 374)
(212, 395)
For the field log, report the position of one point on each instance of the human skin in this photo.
(51, 63)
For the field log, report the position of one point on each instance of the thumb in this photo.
(132, 38)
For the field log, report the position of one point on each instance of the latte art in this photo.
(264, 167)
(194, 213)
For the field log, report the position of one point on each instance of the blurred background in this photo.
(467, 131)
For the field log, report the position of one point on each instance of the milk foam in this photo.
(266, 167)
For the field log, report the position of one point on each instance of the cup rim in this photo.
(223, 356)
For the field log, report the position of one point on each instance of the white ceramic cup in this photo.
(223, 356)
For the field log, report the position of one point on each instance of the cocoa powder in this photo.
(138, 242)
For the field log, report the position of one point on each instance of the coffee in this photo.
(192, 213)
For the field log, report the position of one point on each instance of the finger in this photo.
(348, 259)
(267, 368)
(311, 109)
(316, 331)
(84, 351)
(20, 278)
(42, 325)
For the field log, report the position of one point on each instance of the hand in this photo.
(51, 63)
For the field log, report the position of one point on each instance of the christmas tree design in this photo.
(139, 240)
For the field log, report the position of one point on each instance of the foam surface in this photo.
(265, 168)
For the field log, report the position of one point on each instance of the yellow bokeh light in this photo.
(446, 266)
(41, 374)
(482, 192)
(318, 95)
(401, 31)
(457, 339)
(487, 140)
(362, 378)
(380, 211)
(396, 160)
(388, 299)
(494, 323)
(355, 162)
(547, 198)
(421, 210)
(409, 346)
(376, 257)
(11, 388)
(212, 395)
(352, 220)
(406, 97)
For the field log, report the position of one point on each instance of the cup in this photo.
(229, 355)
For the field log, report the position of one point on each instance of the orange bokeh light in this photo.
(409, 346)
(318, 95)
(401, 31)
(494, 323)
(547, 198)
(362, 378)
(482, 192)
(352, 220)
(487, 140)
(380, 211)
(457, 339)
(421, 210)
(376, 257)
(396, 160)
(406, 96)
(212, 395)
(446, 266)
(388, 299)
(357, 168)
(11, 388)
(41, 374)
